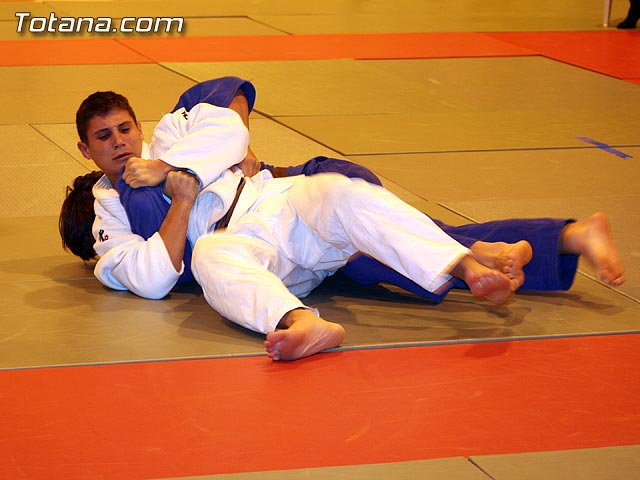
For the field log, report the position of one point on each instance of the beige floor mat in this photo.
(504, 176)
(37, 9)
(61, 315)
(612, 463)
(55, 92)
(32, 252)
(426, 86)
(449, 468)
(34, 173)
(319, 88)
(442, 16)
(197, 8)
(470, 131)
(443, 105)
(78, 321)
(375, 315)
(55, 313)
(487, 84)
(333, 108)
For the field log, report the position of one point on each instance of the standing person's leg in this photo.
(632, 16)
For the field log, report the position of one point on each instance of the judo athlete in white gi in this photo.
(285, 235)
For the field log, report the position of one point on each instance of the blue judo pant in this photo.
(548, 270)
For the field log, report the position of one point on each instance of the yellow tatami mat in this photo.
(613, 463)
(449, 468)
(329, 108)
(58, 314)
(52, 94)
(324, 88)
(610, 463)
(444, 16)
(442, 105)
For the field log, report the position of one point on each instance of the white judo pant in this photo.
(254, 272)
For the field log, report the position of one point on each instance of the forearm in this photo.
(140, 172)
(250, 164)
(174, 231)
(240, 105)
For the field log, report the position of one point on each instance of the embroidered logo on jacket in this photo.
(102, 236)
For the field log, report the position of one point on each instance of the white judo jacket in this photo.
(207, 141)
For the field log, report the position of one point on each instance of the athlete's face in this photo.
(111, 140)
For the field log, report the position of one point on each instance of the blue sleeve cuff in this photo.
(218, 92)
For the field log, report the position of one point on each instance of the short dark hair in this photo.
(99, 104)
(77, 216)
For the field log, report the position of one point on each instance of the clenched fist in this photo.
(140, 172)
(181, 186)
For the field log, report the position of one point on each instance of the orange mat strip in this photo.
(613, 53)
(318, 47)
(66, 52)
(198, 417)
(253, 48)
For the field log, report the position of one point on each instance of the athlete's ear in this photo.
(141, 132)
(84, 150)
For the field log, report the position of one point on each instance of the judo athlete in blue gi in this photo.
(302, 335)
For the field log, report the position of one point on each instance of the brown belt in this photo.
(224, 221)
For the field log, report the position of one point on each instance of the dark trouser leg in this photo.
(632, 17)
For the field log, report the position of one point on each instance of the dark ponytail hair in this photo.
(77, 216)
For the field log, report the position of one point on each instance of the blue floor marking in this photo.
(605, 147)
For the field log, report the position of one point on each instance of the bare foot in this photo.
(592, 238)
(306, 335)
(509, 258)
(484, 282)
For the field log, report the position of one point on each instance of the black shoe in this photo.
(632, 16)
(628, 23)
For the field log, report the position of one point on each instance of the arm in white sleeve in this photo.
(205, 140)
(128, 261)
